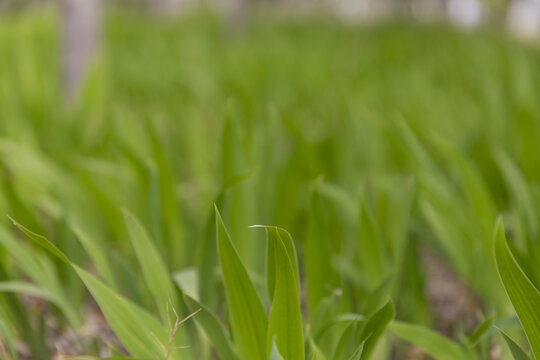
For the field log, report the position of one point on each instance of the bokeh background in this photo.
(386, 136)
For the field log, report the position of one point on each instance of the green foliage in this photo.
(375, 155)
(249, 322)
(434, 344)
(524, 296)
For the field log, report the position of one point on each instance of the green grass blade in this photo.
(272, 235)
(373, 328)
(213, 329)
(28, 289)
(524, 296)
(135, 327)
(96, 253)
(42, 241)
(155, 273)
(517, 352)
(249, 320)
(371, 250)
(321, 276)
(438, 346)
(5, 338)
(480, 331)
(285, 323)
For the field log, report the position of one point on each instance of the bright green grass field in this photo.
(369, 147)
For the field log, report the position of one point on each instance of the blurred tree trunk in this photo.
(80, 29)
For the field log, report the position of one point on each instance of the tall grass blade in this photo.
(524, 296)
(249, 322)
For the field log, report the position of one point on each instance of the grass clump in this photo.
(384, 151)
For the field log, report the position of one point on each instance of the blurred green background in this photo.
(386, 148)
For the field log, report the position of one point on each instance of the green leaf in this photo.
(249, 322)
(273, 235)
(524, 296)
(371, 252)
(28, 289)
(42, 241)
(438, 346)
(285, 323)
(40, 270)
(136, 328)
(373, 328)
(96, 253)
(345, 344)
(519, 191)
(154, 271)
(480, 331)
(321, 276)
(517, 352)
(6, 337)
(213, 329)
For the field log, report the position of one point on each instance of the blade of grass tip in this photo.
(285, 236)
(41, 241)
(517, 352)
(285, 322)
(480, 331)
(207, 258)
(373, 328)
(249, 322)
(522, 293)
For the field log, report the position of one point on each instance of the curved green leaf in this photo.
(438, 346)
(285, 323)
(154, 271)
(136, 328)
(517, 352)
(373, 328)
(522, 293)
(249, 322)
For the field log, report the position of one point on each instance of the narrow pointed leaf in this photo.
(135, 327)
(155, 273)
(522, 293)
(285, 323)
(249, 322)
(373, 328)
(517, 352)
(437, 346)
(96, 253)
